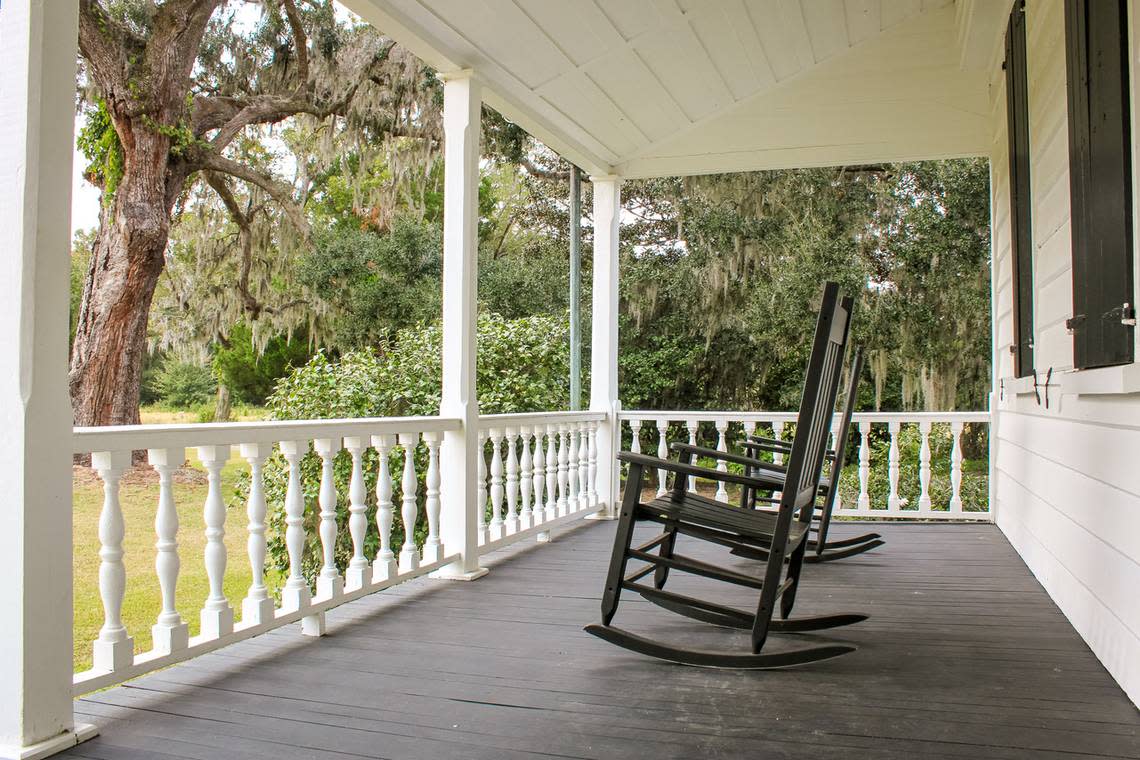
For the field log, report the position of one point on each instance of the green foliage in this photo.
(183, 385)
(99, 144)
(523, 366)
(375, 284)
(81, 251)
(250, 373)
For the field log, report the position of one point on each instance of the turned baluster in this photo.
(662, 453)
(357, 573)
(384, 566)
(409, 556)
(329, 582)
(924, 467)
(433, 548)
(295, 595)
(114, 649)
(893, 501)
(563, 468)
(864, 465)
(721, 465)
(692, 426)
(217, 614)
(592, 467)
(539, 477)
(257, 607)
(572, 438)
(497, 529)
(526, 481)
(583, 466)
(956, 468)
(551, 472)
(481, 489)
(512, 522)
(169, 632)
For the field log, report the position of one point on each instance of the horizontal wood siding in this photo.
(1066, 487)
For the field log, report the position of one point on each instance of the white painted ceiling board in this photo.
(826, 22)
(626, 79)
(778, 46)
(735, 52)
(897, 11)
(504, 34)
(580, 29)
(682, 66)
(653, 86)
(632, 18)
(864, 19)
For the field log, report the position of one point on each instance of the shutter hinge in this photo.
(1128, 315)
(1073, 323)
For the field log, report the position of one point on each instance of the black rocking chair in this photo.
(819, 548)
(783, 533)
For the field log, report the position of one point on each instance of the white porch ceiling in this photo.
(663, 87)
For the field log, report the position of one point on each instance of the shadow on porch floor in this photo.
(964, 656)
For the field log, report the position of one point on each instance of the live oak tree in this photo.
(172, 90)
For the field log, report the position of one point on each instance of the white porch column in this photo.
(37, 97)
(604, 342)
(458, 473)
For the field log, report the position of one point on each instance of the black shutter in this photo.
(1021, 237)
(1100, 157)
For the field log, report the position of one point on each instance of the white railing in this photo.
(653, 431)
(543, 485)
(530, 486)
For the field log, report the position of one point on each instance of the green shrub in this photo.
(250, 374)
(523, 366)
(183, 385)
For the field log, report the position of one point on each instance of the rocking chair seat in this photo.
(744, 525)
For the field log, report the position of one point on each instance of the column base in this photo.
(256, 611)
(384, 570)
(171, 638)
(447, 574)
(603, 513)
(432, 553)
(313, 625)
(68, 739)
(409, 560)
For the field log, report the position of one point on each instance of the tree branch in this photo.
(278, 191)
(300, 42)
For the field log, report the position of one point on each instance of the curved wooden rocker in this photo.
(783, 532)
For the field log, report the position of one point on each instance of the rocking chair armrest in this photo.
(709, 473)
(775, 446)
(761, 469)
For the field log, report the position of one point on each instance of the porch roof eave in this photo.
(908, 88)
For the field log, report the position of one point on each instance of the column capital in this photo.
(457, 75)
(615, 178)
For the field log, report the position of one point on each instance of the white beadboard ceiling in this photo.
(663, 87)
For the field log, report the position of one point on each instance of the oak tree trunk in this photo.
(110, 338)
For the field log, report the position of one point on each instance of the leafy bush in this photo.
(523, 366)
(183, 385)
(250, 375)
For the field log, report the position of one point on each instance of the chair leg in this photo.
(622, 542)
(661, 574)
(795, 566)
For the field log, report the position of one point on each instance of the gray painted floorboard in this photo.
(964, 656)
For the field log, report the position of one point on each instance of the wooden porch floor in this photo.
(964, 657)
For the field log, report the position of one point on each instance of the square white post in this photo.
(37, 114)
(604, 344)
(462, 105)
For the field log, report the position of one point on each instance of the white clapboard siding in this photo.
(1066, 489)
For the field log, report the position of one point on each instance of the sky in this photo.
(84, 195)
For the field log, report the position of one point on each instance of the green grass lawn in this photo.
(142, 603)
